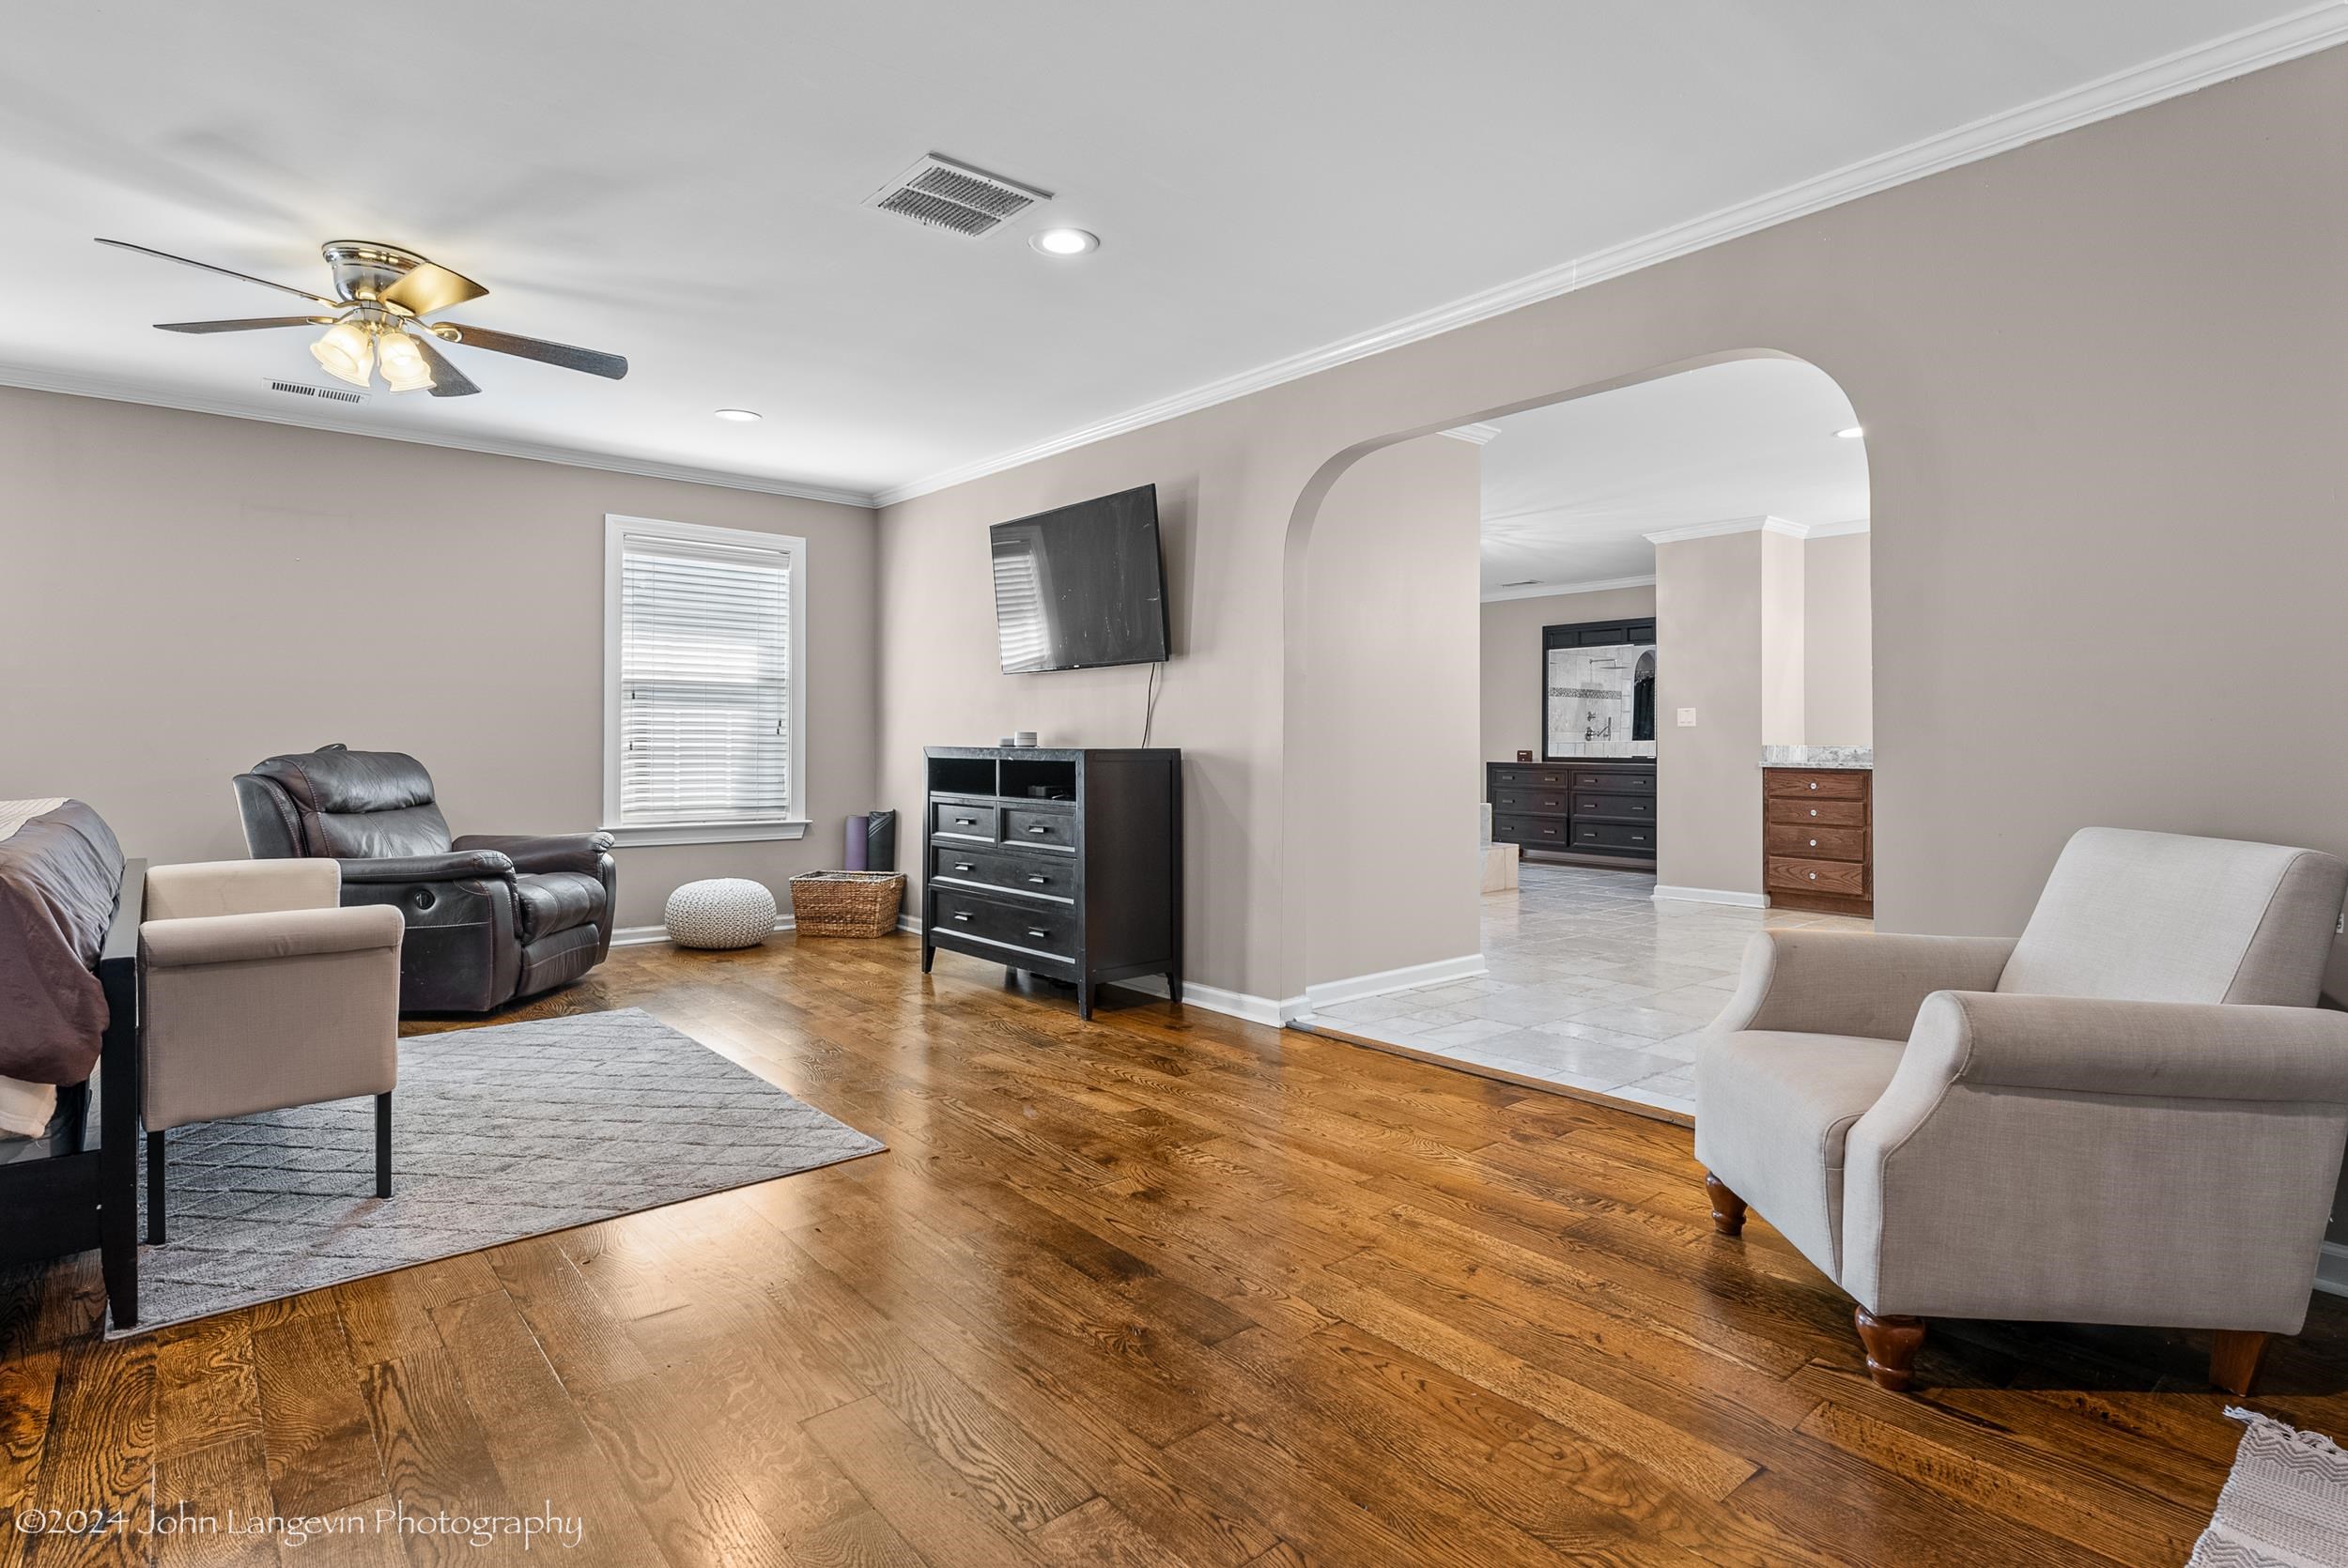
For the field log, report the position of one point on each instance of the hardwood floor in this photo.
(1157, 1289)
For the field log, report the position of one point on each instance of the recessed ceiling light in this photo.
(1065, 242)
(740, 416)
(1852, 434)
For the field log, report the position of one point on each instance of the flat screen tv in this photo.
(1080, 586)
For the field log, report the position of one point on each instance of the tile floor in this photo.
(1593, 984)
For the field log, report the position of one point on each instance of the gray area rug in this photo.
(497, 1133)
(2285, 1502)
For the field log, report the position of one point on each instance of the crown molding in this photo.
(1474, 435)
(2189, 71)
(1727, 525)
(113, 390)
(1750, 525)
(1558, 590)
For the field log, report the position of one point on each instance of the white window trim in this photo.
(615, 528)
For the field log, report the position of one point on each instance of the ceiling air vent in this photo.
(941, 193)
(317, 395)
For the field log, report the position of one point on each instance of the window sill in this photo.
(705, 833)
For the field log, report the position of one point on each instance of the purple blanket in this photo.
(59, 873)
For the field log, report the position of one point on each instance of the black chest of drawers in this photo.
(1594, 805)
(1066, 863)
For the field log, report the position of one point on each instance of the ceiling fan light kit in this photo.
(380, 290)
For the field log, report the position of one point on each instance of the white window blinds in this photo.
(705, 680)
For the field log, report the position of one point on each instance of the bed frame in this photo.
(83, 1196)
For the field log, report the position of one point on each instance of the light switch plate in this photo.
(1687, 718)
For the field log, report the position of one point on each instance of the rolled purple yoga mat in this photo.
(859, 833)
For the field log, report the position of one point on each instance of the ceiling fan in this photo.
(378, 322)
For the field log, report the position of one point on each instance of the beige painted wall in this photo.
(1783, 674)
(1510, 634)
(1838, 690)
(1388, 742)
(2157, 293)
(1710, 622)
(187, 594)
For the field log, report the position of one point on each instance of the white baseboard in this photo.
(1713, 896)
(1214, 999)
(644, 936)
(2331, 1270)
(1328, 993)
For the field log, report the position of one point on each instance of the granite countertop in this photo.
(1853, 757)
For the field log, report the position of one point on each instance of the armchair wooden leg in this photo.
(1892, 1345)
(2234, 1354)
(1728, 1210)
(154, 1189)
(383, 1145)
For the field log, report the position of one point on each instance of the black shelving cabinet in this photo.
(1062, 862)
(1595, 806)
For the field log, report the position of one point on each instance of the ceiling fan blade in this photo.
(447, 380)
(205, 266)
(252, 325)
(427, 287)
(588, 359)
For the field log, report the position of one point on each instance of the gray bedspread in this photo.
(59, 873)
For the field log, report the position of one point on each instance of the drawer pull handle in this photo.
(1813, 843)
(966, 822)
(1038, 935)
(962, 865)
(1814, 783)
(1814, 811)
(1038, 880)
(962, 915)
(1038, 829)
(1813, 876)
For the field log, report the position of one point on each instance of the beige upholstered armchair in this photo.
(2134, 1114)
(257, 992)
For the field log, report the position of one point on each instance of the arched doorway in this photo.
(1383, 753)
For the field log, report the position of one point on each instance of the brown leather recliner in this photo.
(489, 917)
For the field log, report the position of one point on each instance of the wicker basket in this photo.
(846, 903)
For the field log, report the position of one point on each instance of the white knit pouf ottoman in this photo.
(722, 912)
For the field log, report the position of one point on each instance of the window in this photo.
(704, 700)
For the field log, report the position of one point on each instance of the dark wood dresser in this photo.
(1063, 862)
(1818, 840)
(1594, 805)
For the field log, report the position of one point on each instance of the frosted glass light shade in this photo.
(403, 363)
(346, 352)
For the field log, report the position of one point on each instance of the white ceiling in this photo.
(681, 184)
(1571, 490)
